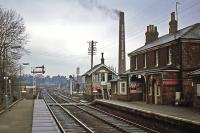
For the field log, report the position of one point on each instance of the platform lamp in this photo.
(4, 56)
(6, 92)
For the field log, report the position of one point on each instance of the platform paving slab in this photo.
(187, 114)
(43, 121)
(17, 119)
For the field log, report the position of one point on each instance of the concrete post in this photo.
(6, 93)
(9, 81)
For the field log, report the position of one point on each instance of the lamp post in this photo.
(6, 92)
(9, 86)
(4, 77)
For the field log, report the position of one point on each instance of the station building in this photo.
(159, 69)
(97, 81)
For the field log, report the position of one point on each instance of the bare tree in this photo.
(12, 41)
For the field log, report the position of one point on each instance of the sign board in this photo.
(170, 82)
(94, 88)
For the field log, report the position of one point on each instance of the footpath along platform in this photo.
(172, 114)
(17, 119)
(43, 121)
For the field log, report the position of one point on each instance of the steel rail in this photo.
(69, 98)
(57, 122)
(72, 116)
(100, 118)
(122, 119)
(114, 116)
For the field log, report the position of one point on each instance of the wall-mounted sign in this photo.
(133, 87)
(170, 82)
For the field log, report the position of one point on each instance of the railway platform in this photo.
(43, 121)
(18, 118)
(167, 113)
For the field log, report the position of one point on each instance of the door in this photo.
(155, 91)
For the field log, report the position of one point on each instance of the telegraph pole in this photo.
(92, 50)
(177, 3)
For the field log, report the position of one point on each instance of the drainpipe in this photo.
(179, 91)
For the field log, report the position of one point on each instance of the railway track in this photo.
(118, 122)
(112, 120)
(64, 119)
(73, 116)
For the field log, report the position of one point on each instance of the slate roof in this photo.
(195, 73)
(89, 71)
(190, 32)
(96, 67)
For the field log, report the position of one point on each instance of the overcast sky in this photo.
(60, 29)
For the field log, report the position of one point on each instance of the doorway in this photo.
(155, 99)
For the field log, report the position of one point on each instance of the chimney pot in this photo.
(151, 34)
(173, 16)
(173, 26)
(155, 28)
(150, 28)
(102, 58)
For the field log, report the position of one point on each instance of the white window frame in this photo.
(145, 60)
(115, 88)
(156, 65)
(125, 90)
(198, 90)
(169, 56)
(93, 78)
(96, 77)
(150, 90)
(136, 64)
(103, 75)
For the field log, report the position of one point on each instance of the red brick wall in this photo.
(135, 97)
(168, 94)
(132, 63)
(170, 75)
(176, 54)
(162, 59)
(191, 55)
(140, 61)
(150, 59)
(187, 91)
(120, 97)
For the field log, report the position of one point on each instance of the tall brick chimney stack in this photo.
(151, 34)
(122, 56)
(173, 24)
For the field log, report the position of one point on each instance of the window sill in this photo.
(122, 94)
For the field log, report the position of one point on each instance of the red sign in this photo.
(94, 88)
(170, 82)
